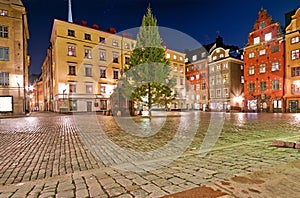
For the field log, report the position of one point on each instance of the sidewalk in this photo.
(279, 181)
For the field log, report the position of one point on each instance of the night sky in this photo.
(202, 20)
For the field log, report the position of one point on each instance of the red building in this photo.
(264, 66)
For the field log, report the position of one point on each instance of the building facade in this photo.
(197, 79)
(225, 77)
(177, 64)
(14, 59)
(264, 66)
(292, 70)
(82, 67)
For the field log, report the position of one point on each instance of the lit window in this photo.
(4, 53)
(3, 31)
(192, 78)
(275, 66)
(174, 57)
(296, 87)
(180, 58)
(102, 89)
(126, 46)
(197, 76)
(295, 54)
(242, 79)
(262, 68)
(268, 36)
(89, 88)
(221, 55)
(194, 58)
(3, 12)
(295, 40)
(71, 50)
(88, 52)
(251, 70)
(225, 92)
(168, 55)
(225, 78)
(256, 40)
(214, 57)
(181, 68)
(175, 69)
(262, 52)
(115, 43)
(251, 55)
(102, 55)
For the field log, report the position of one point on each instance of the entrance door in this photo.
(89, 106)
(293, 106)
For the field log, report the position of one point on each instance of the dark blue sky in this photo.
(202, 20)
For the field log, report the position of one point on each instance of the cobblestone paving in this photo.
(49, 155)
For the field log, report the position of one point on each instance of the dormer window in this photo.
(262, 25)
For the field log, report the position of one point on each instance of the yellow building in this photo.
(14, 60)
(177, 62)
(292, 57)
(82, 67)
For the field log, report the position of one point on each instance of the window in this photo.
(197, 76)
(89, 88)
(88, 70)
(168, 55)
(256, 40)
(268, 36)
(203, 75)
(126, 46)
(203, 85)
(127, 60)
(180, 58)
(225, 66)
(295, 71)
(3, 31)
(251, 70)
(71, 33)
(225, 92)
(218, 79)
(212, 93)
(174, 57)
(262, 24)
(115, 43)
(251, 87)
(102, 72)
(262, 86)
(262, 52)
(192, 77)
(295, 54)
(203, 54)
(71, 50)
(251, 55)
(197, 87)
(72, 88)
(3, 13)
(72, 70)
(262, 68)
(242, 79)
(101, 39)
(225, 78)
(218, 67)
(212, 68)
(194, 58)
(88, 52)
(296, 87)
(73, 105)
(102, 55)
(204, 97)
(221, 55)
(4, 78)
(295, 40)
(87, 37)
(212, 81)
(218, 93)
(115, 57)
(175, 69)
(275, 49)
(275, 66)
(4, 53)
(181, 68)
(214, 57)
(102, 89)
(116, 74)
(275, 84)
(181, 80)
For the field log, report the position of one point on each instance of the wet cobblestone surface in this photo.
(53, 155)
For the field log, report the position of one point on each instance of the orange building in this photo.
(264, 66)
(292, 91)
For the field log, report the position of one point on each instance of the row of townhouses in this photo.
(83, 64)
